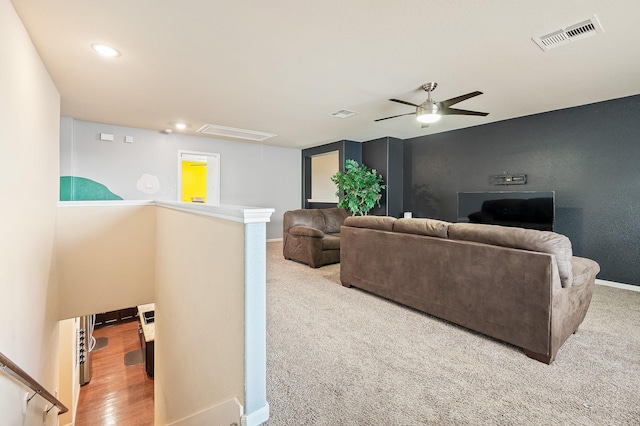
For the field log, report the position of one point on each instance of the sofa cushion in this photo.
(383, 223)
(331, 242)
(333, 219)
(519, 238)
(428, 227)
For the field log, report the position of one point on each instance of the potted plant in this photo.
(359, 188)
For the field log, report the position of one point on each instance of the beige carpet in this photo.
(338, 356)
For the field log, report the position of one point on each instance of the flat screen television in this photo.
(523, 209)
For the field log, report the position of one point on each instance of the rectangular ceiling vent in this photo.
(574, 32)
(230, 132)
(343, 113)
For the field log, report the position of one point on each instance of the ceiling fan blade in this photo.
(453, 101)
(455, 111)
(403, 102)
(394, 116)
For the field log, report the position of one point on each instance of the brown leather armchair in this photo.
(312, 236)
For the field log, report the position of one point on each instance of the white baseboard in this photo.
(257, 417)
(225, 413)
(618, 285)
(273, 240)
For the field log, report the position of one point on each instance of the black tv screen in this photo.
(522, 209)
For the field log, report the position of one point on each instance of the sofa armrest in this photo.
(584, 270)
(306, 231)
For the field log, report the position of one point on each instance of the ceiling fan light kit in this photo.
(431, 111)
(428, 114)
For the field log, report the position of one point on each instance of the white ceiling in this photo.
(284, 66)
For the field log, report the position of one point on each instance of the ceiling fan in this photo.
(430, 111)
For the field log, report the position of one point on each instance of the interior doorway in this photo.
(199, 177)
(323, 167)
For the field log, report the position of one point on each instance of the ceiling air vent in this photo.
(343, 113)
(230, 132)
(574, 32)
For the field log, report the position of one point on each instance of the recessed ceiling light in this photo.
(105, 50)
(181, 126)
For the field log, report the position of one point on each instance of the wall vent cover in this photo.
(343, 113)
(231, 132)
(573, 32)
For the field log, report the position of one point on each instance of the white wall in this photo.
(106, 257)
(251, 174)
(69, 387)
(199, 341)
(29, 170)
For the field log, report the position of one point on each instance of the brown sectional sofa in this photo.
(521, 286)
(312, 236)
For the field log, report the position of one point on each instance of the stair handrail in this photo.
(15, 371)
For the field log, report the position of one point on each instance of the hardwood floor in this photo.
(117, 394)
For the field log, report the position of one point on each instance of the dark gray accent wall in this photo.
(386, 156)
(347, 150)
(589, 155)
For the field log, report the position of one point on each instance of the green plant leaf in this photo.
(359, 187)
